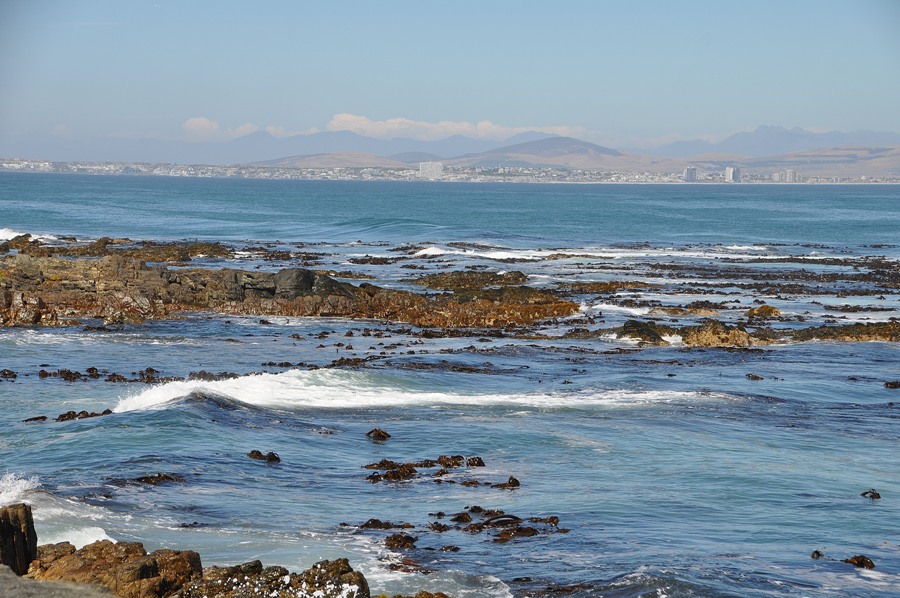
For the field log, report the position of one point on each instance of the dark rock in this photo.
(159, 478)
(18, 540)
(70, 415)
(378, 435)
(116, 378)
(38, 418)
(451, 462)
(398, 474)
(817, 554)
(400, 541)
(861, 561)
(379, 524)
(509, 484)
(892, 384)
(8, 374)
(475, 462)
(269, 457)
(754, 377)
(871, 493)
(462, 517)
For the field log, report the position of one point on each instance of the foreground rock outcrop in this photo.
(118, 289)
(124, 568)
(18, 540)
(128, 571)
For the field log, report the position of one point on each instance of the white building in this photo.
(431, 171)
(732, 174)
(690, 175)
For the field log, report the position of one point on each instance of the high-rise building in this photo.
(431, 171)
(690, 175)
(790, 176)
(732, 174)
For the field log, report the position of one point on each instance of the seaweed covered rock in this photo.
(326, 579)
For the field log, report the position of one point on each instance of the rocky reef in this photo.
(118, 287)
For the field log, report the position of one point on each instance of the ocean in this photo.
(673, 470)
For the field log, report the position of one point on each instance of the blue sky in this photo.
(623, 73)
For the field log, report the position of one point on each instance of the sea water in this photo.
(671, 471)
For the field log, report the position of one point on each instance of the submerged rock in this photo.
(378, 435)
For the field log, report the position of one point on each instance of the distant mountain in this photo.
(773, 141)
(255, 147)
(551, 151)
(335, 160)
(566, 152)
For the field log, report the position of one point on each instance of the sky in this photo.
(621, 73)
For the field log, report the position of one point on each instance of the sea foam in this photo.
(339, 389)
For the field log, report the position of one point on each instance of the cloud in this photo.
(200, 128)
(429, 131)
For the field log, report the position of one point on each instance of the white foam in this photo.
(14, 488)
(634, 311)
(8, 233)
(341, 389)
(55, 519)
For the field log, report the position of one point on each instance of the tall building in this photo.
(690, 175)
(431, 171)
(732, 174)
(790, 176)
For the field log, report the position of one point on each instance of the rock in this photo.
(752, 376)
(713, 333)
(465, 280)
(649, 332)
(871, 493)
(892, 384)
(269, 457)
(8, 374)
(13, 586)
(763, 312)
(475, 462)
(159, 478)
(861, 561)
(817, 554)
(379, 524)
(378, 435)
(400, 541)
(18, 540)
(70, 415)
(325, 579)
(508, 485)
(37, 418)
(125, 567)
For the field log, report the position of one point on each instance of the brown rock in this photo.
(712, 333)
(400, 541)
(763, 311)
(125, 568)
(269, 457)
(378, 435)
(18, 540)
(861, 561)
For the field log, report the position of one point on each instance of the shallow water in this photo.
(674, 473)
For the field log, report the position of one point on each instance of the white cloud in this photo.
(200, 128)
(428, 131)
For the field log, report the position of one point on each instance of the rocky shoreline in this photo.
(119, 281)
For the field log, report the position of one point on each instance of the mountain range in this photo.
(765, 149)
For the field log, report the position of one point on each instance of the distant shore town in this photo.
(436, 171)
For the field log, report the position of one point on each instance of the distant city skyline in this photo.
(620, 74)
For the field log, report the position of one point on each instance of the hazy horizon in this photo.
(613, 73)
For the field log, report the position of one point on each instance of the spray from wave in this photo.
(340, 389)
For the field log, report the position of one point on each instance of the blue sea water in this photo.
(673, 472)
